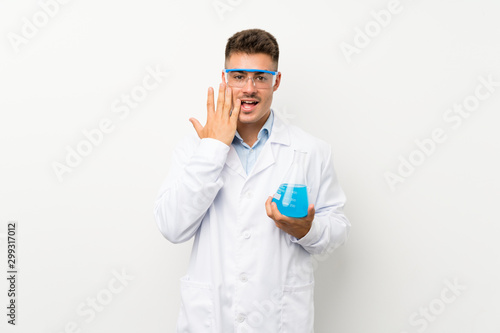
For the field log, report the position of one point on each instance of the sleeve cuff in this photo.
(310, 238)
(214, 150)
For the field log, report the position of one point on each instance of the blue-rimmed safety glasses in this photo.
(261, 79)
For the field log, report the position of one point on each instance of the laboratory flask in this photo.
(291, 196)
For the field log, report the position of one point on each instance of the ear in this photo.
(223, 77)
(278, 81)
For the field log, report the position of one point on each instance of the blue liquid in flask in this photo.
(291, 200)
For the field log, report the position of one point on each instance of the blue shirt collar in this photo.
(265, 130)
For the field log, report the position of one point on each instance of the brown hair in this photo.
(253, 41)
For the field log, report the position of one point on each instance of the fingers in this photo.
(297, 227)
(273, 211)
(228, 100)
(236, 111)
(276, 213)
(268, 205)
(281, 221)
(220, 99)
(210, 102)
(311, 211)
(197, 126)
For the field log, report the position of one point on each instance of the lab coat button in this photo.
(249, 194)
(243, 277)
(246, 234)
(240, 318)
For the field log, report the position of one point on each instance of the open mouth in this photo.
(248, 105)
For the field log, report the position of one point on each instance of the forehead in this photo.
(244, 60)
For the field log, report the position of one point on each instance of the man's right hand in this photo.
(221, 123)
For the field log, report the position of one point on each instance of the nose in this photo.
(249, 87)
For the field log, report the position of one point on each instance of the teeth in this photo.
(249, 102)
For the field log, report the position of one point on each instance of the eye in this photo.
(237, 77)
(261, 78)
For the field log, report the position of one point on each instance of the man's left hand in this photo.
(297, 227)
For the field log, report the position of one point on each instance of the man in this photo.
(251, 268)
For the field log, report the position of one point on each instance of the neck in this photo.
(250, 131)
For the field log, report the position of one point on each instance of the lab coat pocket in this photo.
(297, 314)
(197, 307)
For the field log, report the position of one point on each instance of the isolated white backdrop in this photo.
(408, 244)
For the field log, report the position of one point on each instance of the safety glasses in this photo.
(261, 79)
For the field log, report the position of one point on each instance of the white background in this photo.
(440, 224)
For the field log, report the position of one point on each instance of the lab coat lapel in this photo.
(265, 159)
(233, 161)
(279, 136)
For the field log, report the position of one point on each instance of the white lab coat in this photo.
(245, 274)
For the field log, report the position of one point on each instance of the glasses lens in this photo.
(239, 79)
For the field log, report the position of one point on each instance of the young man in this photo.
(251, 268)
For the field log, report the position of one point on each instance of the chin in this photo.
(246, 119)
(251, 117)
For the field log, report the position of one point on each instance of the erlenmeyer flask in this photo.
(291, 196)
